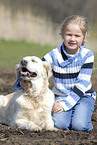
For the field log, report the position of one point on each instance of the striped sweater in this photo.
(71, 74)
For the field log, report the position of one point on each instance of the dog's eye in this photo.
(33, 60)
(33, 74)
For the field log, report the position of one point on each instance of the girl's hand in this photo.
(57, 108)
(25, 85)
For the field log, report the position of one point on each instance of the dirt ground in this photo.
(14, 136)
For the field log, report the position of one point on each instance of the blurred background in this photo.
(40, 20)
(32, 27)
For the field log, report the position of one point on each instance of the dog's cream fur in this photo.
(30, 109)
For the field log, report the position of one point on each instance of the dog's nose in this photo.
(23, 62)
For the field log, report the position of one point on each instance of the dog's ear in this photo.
(48, 69)
(17, 71)
(49, 74)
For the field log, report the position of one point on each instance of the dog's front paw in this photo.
(25, 124)
(37, 129)
(50, 126)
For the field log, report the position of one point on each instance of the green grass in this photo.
(11, 52)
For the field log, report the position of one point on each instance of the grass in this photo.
(11, 52)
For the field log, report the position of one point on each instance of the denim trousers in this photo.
(78, 118)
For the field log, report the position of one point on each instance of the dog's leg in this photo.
(49, 125)
(4, 100)
(26, 124)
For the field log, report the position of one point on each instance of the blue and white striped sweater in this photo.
(71, 75)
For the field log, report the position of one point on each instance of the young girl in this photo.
(72, 65)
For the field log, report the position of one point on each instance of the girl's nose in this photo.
(72, 38)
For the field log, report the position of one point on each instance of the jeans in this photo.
(78, 118)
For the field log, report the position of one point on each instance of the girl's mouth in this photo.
(72, 43)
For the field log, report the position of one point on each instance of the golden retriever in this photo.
(29, 109)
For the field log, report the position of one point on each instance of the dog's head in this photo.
(35, 71)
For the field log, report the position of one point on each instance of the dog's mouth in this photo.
(25, 72)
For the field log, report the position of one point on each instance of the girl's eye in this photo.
(77, 35)
(69, 34)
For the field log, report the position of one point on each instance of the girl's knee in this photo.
(82, 126)
(60, 122)
(61, 125)
(81, 117)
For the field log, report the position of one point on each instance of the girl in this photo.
(72, 65)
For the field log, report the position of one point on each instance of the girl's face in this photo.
(73, 38)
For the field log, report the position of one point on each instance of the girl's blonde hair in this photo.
(75, 19)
